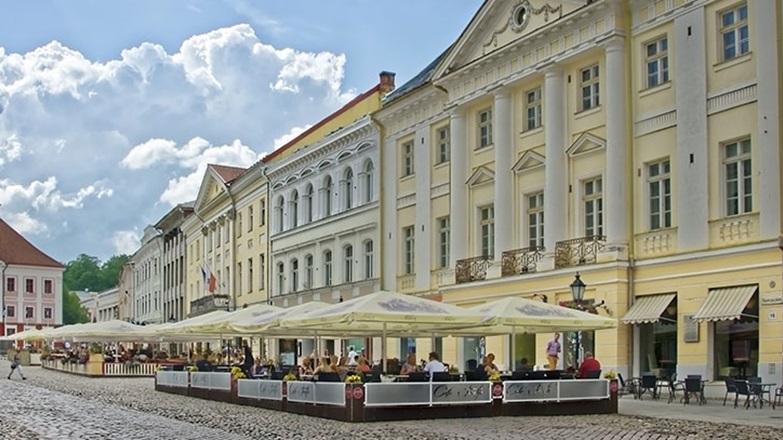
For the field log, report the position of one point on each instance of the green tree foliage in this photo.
(73, 312)
(88, 273)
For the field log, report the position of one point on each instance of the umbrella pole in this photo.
(383, 349)
(512, 366)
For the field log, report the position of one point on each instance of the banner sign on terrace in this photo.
(461, 392)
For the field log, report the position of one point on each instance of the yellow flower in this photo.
(192, 368)
(354, 378)
(494, 377)
(289, 377)
(610, 375)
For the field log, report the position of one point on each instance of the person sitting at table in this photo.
(524, 366)
(491, 359)
(488, 366)
(364, 366)
(340, 366)
(203, 364)
(589, 364)
(434, 365)
(306, 369)
(323, 367)
(409, 366)
(258, 369)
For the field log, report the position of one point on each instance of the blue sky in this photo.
(110, 110)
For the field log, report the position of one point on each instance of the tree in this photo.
(87, 273)
(73, 312)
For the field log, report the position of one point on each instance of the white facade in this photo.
(103, 306)
(147, 274)
(32, 297)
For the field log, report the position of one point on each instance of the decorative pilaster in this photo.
(555, 183)
(459, 192)
(617, 209)
(504, 158)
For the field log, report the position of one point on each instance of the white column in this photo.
(615, 189)
(767, 143)
(389, 248)
(555, 182)
(459, 193)
(422, 166)
(504, 159)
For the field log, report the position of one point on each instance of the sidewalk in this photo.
(713, 411)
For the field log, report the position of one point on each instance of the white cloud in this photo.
(45, 195)
(10, 149)
(288, 137)
(126, 242)
(24, 224)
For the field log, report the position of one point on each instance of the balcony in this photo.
(578, 251)
(521, 261)
(472, 269)
(208, 304)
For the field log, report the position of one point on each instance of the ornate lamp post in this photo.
(578, 293)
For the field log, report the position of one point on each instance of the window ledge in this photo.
(532, 132)
(441, 165)
(588, 112)
(408, 177)
(653, 90)
(483, 149)
(733, 62)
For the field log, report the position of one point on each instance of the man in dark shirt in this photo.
(589, 364)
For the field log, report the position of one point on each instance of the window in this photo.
(327, 197)
(249, 275)
(594, 207)
(407, 159)
(10, 284)
(533, 109)
(734, 32)
(348, 189)
(47, 313)
(279, 214)
(409, 242)
(487, 217)
(280, 278)
(535, 219)
(348, 264)
(589, 86)
(444, 144)
(308, 278)
(485, 128)
(294, 213)
(10, 311)
(29, 285)
(261, 271)
(444, 241)
(29, 312)
(262, 212)
(239, 278)
(328, 268)
(738, 175)
(249, 218)
(308, 204)
(294, 275)
(369, 181)
(657, 58)
(368, 259)
(659, 185)
(239, 224)
(48, 286)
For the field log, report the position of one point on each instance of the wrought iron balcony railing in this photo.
(521, 261)
(578, 251)
(208, 304)
(472, 269)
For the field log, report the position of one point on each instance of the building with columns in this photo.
(147, 266)
(102, 306)
(173, 261)
(624, 140)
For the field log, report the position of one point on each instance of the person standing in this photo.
(553, 351)
(247, 361)
(16, 365)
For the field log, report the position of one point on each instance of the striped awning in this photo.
(648, 309)
(725, 304)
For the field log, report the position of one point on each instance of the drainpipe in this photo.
(2, 293)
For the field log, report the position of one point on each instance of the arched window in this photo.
(279, 216)
(326, 197)
(294, 211)
(368, 259)
(368, 181)
(294, 275)
(328, 268)
(308, 275)
(348, 188)
(348, 264)
(280, 278)
(308, 204)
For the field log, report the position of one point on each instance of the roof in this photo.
(227, 173)
(417, 81)
(16, 250)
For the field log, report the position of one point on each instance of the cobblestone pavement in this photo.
(51, 405)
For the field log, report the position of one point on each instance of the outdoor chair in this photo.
(593, 374)
(328, 377)
(730, 389)
(693, 387)
(778, 397)
(649, 384)
(519, 375)
(417, 377)
(476, 376)
(629, 387)
(742, 390)
(441, 376)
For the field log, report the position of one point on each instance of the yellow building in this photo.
(626, 140)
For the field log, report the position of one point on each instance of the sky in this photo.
(111, 110)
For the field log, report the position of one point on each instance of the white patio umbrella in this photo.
(114, 330)
(269, 323)
(222, 325)
(27, 335)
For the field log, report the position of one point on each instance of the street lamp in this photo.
(578, 293)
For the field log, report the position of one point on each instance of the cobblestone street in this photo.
(53, 405)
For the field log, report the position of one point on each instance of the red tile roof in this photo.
(15, 249)
(227, 173)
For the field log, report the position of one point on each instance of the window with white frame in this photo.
(348, 264)
(734, 32)
(239, 278)
(294, 212)
(535, 219)
(407, 159)
(239, 225)
(48, 286)
(250, 275)
(280, 278)
(660, 194)
(47, 313)
(348, 189)
(328, 268)
(10, 311)
(369, 259)
(308, 278)
(250, 218)
(593, 203)
(409, 240)
(326, 197)
(657, 60)
(738, 175)
(10, 284)
(29, 312)
(369, 181)
(294, 275)
(589, 86)
(487, 226)
(279, 210)
(308, 204)
(29, 285)
(533, 109)
(485, 128)
(262, 213)
(444, 241)
(444, 144)
(261, 271)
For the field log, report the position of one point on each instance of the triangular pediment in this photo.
(481, 176)
(586, 143)
(499, 23)
(211, 188)
(530, 160)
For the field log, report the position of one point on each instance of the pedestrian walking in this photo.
(16, 365)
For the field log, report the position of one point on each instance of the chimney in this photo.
(387, 82)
